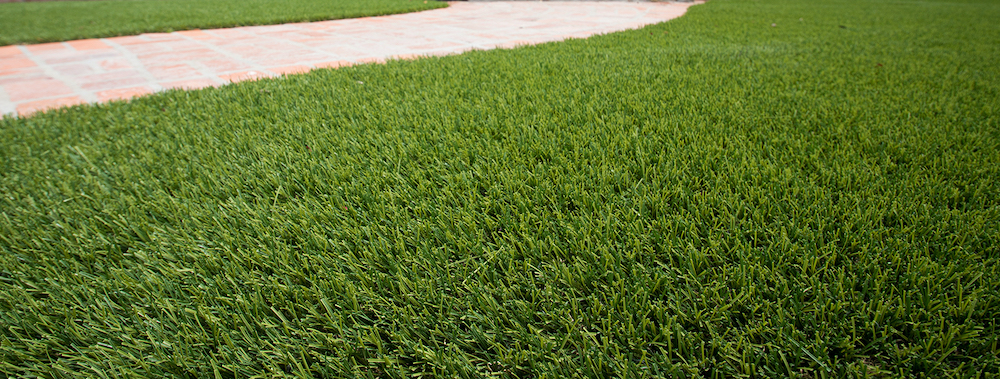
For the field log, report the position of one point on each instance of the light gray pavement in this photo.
(38, 77)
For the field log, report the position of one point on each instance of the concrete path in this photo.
(37, 77)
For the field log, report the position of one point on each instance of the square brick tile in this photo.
(251, 49)
(74, 69)
(197, 34)
(128, 40)
(36, 89)
(25, 109)
(115, 64)
(88, 44)
(435, 46)
(112, 80)
(289, 70)
(20, 75)
(7, 64)
(230, 35)
(220, 65)
(162, 37)
(10, 52)
(23, 75)
(70, 56)
(46, 47)
(290, 59)
(123, 93)
(186, 54)
(173, 72)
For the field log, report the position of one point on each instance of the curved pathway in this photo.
(37, 77)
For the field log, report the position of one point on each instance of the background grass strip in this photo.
(710, 197)
(36, 22)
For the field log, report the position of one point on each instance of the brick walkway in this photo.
(37, 77)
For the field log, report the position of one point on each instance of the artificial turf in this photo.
(36, 22)
(773, 188)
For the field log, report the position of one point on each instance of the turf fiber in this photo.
(773, 188)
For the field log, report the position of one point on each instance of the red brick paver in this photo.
(38, 77)
(122, 94)
(89, 44)
(30, 107)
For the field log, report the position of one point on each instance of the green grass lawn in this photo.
(708, 197)
(69, 20)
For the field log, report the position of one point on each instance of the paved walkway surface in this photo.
(37, 77)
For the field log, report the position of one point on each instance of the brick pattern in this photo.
(51, 75)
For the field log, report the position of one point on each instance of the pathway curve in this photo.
(37, 77)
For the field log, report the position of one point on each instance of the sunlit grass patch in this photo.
(712, 196)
